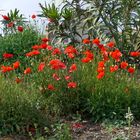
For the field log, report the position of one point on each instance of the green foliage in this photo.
(50, 11)
(63, 25)
(93, 18)
(18, 44)
(19, 109)
(62, 131)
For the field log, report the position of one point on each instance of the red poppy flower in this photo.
(56, 77)
(134, 54)
(110, 44)
(100, 69)
(72, 85)
(96, 41)
(16, 65)
(36, 47)
(27, 71)
(45, 46)
(89, 54)
(32, 53)
(41, 66)
(116, 55)
(7, 55)
(73, 68)
(114, 68)
(33, 16)
(11, 24)
(57, 64)
(5, 17)
(71, 55)
(45, 40)
(51, 87)
(56, 51)
(131, 70)
(77, 126)
(70, 51)
(86, 60)
(101, 64)
(86, 41)
(20, 28)
(6, 69)
(123, 65)
(68, 77)
(100, 75)
(49, 48)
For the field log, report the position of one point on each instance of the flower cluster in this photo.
(108, 55)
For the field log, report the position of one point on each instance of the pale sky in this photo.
(27, 7)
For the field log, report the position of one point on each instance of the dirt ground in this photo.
(89, 131)
(100, 132)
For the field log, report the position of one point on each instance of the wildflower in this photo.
(56, 51)
(20, 28)
(86, 41)
(96, 41)
(51, 87)
(86, 60)
(5, 17)
(89, 54)
(73, 68)
(100, 69)
(67, 77)
(101, 64)
(45, 40)
(33, 16)
(131, 70)
(72, 85)
(116, 55)
(41, 66)
(27, 71)
(71, 55)
(123, 65)
(105, 55)
(100, 75)
(6, 69)
(49, 48)
(11, 24)
(77, 126)
(114, 68)
(110, 44)
(16, 65)
(45, 46)
(70, 51)
(134, 54)
(7, 55)
(32, 53)
(56, 77)
(36, 47)
(57, 64)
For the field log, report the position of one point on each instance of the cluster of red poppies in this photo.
(108, 52)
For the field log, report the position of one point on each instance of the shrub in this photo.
(19, 109)
(18, 44)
